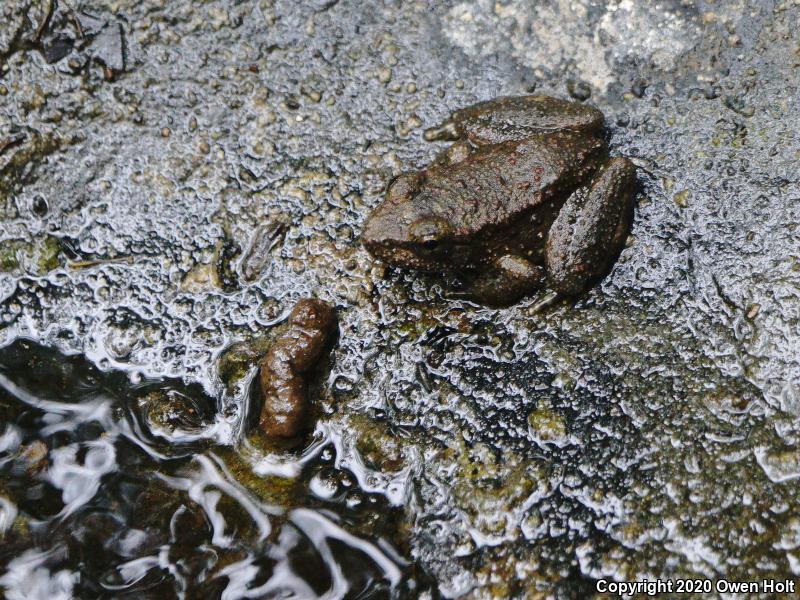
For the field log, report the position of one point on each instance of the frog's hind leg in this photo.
(517, 118)
(591, 229)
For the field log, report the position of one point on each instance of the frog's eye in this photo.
(429, 231)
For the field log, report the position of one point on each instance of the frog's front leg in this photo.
(591, 229)
(508, 279)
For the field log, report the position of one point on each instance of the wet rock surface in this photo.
(648, 429)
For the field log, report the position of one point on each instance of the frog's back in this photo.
(496, 185)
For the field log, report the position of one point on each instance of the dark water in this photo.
(104, 494)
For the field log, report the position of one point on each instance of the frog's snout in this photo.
(377, 231)
(381, 233)
(387, 237)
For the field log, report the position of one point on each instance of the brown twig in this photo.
(43, 25)
(10, 142)
(93, 262)
(76, 21)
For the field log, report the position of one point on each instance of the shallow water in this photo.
(96, 502)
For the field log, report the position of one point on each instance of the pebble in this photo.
(384, 74)
(579, 90)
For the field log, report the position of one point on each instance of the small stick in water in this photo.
(545, 302)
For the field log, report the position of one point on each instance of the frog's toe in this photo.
(456, 153)
(446, 132)
(546, 301)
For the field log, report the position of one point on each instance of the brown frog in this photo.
(526, 195)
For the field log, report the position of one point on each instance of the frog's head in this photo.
(406, 232)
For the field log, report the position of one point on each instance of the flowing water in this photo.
(117, 507)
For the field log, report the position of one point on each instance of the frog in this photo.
(527, 199)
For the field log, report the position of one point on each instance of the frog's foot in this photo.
(509, 279)
(546, 301)
(591, 229)
(519, 117)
